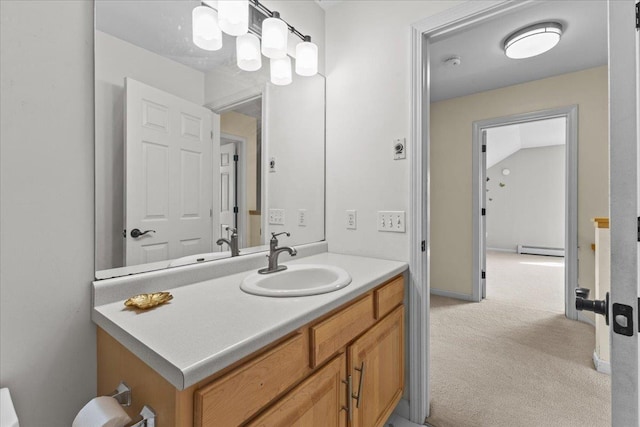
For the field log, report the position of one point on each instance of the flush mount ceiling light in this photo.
(533, 40)
(233, 17)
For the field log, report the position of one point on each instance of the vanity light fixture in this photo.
(281, 71)
(274, 37)
(533, 40)
(306, 57)
(206, 32)
(248, 52)
(232, 17)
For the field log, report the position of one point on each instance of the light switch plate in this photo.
(399, 148)
(276, 216)
(352, 220)
(393, 221)
(272, 164)
(302, 217)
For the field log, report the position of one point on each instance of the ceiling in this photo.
(503, 141)
(484, 66)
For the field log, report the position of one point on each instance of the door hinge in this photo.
(483, 212)
(639, 229)
(236, 157)
(638, 16)
(484, 148)
(484, 274)
(124, 233)
(211, 133)
(423, 246)
(235, 209)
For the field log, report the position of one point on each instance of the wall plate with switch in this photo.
(352, 220)
(276, 216)
(393, 221)
(302, 217)
(399, 149)
(272, 164)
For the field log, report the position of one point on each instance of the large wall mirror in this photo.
(189, 147)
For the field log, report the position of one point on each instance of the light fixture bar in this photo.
(262, 8)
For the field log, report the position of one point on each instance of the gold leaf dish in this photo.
(145, 301)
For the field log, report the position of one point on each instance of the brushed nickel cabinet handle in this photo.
(358, 397)
(349, 407)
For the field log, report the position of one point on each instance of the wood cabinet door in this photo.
(376, 366)
(319, 401)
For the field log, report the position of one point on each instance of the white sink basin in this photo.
(297, 280)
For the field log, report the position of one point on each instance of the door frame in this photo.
(419, 288)
(570, 113)
(624, 145)
(241, 182)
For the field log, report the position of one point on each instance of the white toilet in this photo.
(8, 417)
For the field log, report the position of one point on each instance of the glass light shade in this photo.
(281, 71)
(206, 32)
(248, 52)
(275, 35)
(533, 40)
(233, 16)
(306, 58)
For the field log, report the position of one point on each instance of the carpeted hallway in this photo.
(514, 359)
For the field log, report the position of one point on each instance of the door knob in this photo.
(597, 306)
(135, 233)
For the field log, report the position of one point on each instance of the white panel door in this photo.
(169, 170)
(624, 147)
(227, 188)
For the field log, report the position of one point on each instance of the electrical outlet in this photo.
(352, 220)
(276, 216)
(302, 217)
(393, 221)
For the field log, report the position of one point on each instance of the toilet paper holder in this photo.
(122, 394)
(148, 417)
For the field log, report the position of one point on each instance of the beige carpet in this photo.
(505, 363)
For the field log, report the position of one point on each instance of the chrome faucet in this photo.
(274, 251)
(232, 242)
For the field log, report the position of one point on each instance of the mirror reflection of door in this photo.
(168, 170)
(241, 130)
(228, 188)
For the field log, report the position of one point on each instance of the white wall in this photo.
(368, 105)
(47, 352)
(116, 59)
(529, 208)
(297, 143)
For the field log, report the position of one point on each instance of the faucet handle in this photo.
(274, 235)
(231, 229)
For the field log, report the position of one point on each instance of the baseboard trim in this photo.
(451, 294)
(584, 319)
(512, 251)
(600, 365)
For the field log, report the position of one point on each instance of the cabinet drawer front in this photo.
(389, 297)
(332, 334)
(318, 401)
(233, 398)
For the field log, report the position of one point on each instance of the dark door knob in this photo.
(597, 306)
(135, 233)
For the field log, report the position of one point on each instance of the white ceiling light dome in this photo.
(206, 32)
(533, 40)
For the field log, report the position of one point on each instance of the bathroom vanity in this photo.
(216, 356)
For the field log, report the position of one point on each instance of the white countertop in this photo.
(212, 324)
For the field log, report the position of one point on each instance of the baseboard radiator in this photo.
(540, 250)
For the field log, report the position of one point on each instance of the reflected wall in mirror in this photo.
(189, 147)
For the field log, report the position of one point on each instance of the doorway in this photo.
(528, 216)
